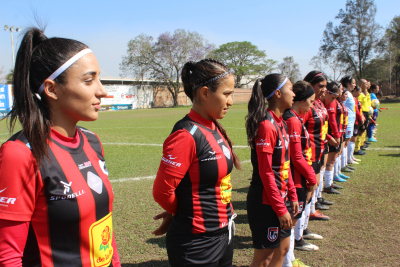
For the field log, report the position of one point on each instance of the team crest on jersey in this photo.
(226, 151)
(94, 182)
(273, 233)
(301, 205)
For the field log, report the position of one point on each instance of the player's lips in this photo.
(97, 105)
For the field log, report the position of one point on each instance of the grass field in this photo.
(364, 225)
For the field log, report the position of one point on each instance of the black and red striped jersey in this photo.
(298, 133)
(314, 122)
(335, 113)
(271, 138)
(68, 201)
(324, 113)
(345, 117)
(200, 162)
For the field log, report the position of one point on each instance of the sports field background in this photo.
(364, 225)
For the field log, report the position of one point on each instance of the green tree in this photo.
(9, 77)
(290, 69)
(329, 66)
(247, 62)
(163, 59)
(355, 38)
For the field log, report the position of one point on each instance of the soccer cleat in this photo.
(360, 153)
(363, 148)
(305, 246)
(372, 140)
(298, 263)
(345, 169)
(367, 143)
(341, 175)
(353, 162)
(324, 201)
(336, 186)
(307, 234)
(318, 216)
(358, 160)
(319, 206)
(331, 190)
(350, 167)
(338, 179)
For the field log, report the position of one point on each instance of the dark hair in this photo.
(37, 58)
(196, 73)
(380, 93)
(301, 86)
(257, 107)
(373, 87)
(357, 88)
(314, 77)
(345, 80)
(333, 87)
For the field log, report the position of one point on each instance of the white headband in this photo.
(280, 86)
(63, 67)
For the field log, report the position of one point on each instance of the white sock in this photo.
(336, 167)
(313, 201)
(350, 151)
(339, 163)
(345, 156)
(343, 160)
(298, 229)
(287, 261)
(321, 182)
(328, 178)
(307, 215)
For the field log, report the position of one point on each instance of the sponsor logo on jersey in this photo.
(84, 165)
(226, 189)
(105, 239)
(103, 166)
(279, 146)
(212, 156)
(100, 237)
(272, 233)
(67, 188)
(295, 134)
(86, 131)
(263, 143)
(330, 109)
(170, 161)
(94, 182)
(6, 200)
(220, 141)
(226, 151)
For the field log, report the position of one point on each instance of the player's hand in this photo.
(309, 196)
(312, 188)
(332, 142)
(167, 218)
(295, 209)
(363, 119)
(286, 221)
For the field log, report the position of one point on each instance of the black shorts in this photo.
(334, 148)
(355, 132)
(362, 128)
(302, 197)
(206, 250)
(265, 226)
(316, 166)
(322, 162)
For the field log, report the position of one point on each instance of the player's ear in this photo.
(204, 93)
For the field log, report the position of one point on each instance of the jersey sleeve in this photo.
(301, 164)
(292, 194)
(266, 137)
(178, 154)
(294, 130)
(331, 108)
(19, 182)
(269, 183)
(13, 237)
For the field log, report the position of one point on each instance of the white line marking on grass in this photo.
(383, 148)
(148, 177)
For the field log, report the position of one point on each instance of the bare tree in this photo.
(333, 69)
(290, 69)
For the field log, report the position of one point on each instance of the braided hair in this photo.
(196, 73)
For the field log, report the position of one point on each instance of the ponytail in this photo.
(257, 111)
(37, 58)
(236, 160)
(197, 73)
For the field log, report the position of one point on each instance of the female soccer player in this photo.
(193, 182)
(56, 197)
(335, 113)
(374, 91)
(300, 162)
(271, 187)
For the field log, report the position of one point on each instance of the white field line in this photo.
(141, 144)
(147, 177)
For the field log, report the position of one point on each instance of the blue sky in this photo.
(281, 28)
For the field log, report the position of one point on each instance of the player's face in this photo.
(80, 96)
(329, 98)
(219, 101)
(307, 104)
(344, 96)
(320, 89)
(352, 85)
(287, 95)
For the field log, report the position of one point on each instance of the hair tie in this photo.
(280, 86)
(317, 75)
(63, 67)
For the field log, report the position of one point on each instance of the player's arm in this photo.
(19, 189)
(332, 119)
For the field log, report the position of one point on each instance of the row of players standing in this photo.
(309, 119)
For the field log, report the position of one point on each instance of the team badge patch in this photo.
(95, 183)
(301, 205)
(226, 151)
(273, 233)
